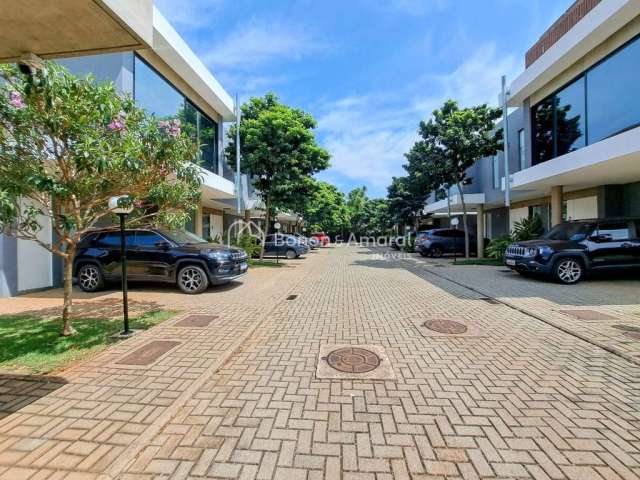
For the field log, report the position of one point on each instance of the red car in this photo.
(322, 237)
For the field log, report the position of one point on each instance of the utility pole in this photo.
(238, 185)
(505, 130)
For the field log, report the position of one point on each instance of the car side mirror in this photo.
(598, 238)
(163, 245)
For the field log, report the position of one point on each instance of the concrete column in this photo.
(556, 205)
(480, 231)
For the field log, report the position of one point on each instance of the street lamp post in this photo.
(277, 227)
(122, 212)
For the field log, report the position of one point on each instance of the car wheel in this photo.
(568, 271)
(192, 279)
(90, 278)
(291, 254)
(436, 252)
(423, 253)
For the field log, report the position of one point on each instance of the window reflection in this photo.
(543, 141)
(154, 93)
(614, 93)
(157, 96)
(570, 118)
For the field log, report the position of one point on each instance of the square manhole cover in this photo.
(148, 353)
(587, 315)
(196, 321)
(354, 362)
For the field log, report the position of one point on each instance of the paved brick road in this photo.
(517, 399)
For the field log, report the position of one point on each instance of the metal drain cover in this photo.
(446, 326)
(149, 353)
(353, 360)
(196, 321)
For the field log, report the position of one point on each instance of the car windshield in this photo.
(183, 238)
(569, 231)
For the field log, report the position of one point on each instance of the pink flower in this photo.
(171, 127)
(16, 100)
(117, 124)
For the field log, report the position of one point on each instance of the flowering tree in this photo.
(67, 145)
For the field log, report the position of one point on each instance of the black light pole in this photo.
(123, 259)
(122, 212)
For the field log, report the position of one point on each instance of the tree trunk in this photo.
(67, 328)
(267, 220)
(464, 222)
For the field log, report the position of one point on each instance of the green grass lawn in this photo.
(32, 344)
(253, 262)
(480, 261)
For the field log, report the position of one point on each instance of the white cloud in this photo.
(368, 135)
(256, 43)
(190, 13)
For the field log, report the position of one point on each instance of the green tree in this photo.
(356, 203)
(451, 142)
(67, 145)
(406, 197)
(325, 209)
(279, 150)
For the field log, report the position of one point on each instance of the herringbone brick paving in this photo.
(523, 400)
(520, 400)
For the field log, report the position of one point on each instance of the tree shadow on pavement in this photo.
(18, 391)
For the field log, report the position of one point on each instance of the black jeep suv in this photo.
(169, 256)
(571, 249)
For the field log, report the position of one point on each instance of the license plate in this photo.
(511, 263)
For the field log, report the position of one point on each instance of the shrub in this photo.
(527, 229)
(248, 243)
(498, 246)
(409, 244)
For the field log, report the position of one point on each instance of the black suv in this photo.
(169, 256)
(571, 249)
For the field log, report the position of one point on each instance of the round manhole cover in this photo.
(446, 326)
(353, 360)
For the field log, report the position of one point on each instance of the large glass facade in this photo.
(602, 102)
(613, 100)
(156, 95)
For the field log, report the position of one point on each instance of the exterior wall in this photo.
(517, 214)
(35, 267)
(8, 266)
(581, 208)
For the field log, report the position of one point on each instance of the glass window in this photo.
(613, 87)
(570, 119)
(208, 140)
(543, 140)
(522, 156)
(569, 231)
(155, 94)
(147, 239)
(614, 231)
(112, 239)
(183, 238)
(496, 171)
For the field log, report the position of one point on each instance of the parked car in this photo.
(322, 237)
(313, 244)
(284, 245)
(168, 256)
(441, 241)
(398, 242)
(572, 249)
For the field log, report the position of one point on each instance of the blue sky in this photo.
(368, 70)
